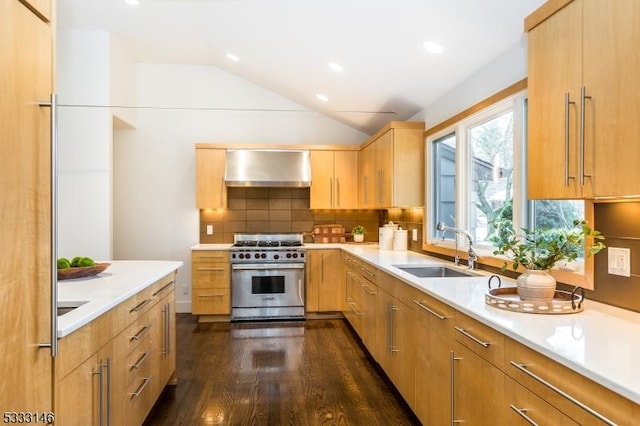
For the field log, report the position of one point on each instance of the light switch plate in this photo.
(619, 260)
(414, 235)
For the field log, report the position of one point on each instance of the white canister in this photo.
(385, 238)
(400, 240)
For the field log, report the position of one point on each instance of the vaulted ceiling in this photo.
(286, 45)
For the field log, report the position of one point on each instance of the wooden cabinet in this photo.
(211, 192)
(432, 352)
(395, 339)
(361, 301)
(334, 180)
(210, 282)
(25, 229)
(392, 164)
(41, 7)
(582, 119)
(525, 408)
(324, 281)
(112, 370)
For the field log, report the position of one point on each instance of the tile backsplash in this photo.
(278, 210)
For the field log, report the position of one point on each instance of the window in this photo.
(476, 177)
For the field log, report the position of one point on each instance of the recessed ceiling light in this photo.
(233, 57)
(433, 47)
(132, 2)
(336, 66)
(322, 97)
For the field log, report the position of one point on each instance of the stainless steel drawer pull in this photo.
(475, 339)
(368, 272)
(141, 361)
(353, 308)
(208, 296)
(140, 389)
(162, 290)
(522, 412)
(140, 305)
(426, 308)
(140, 333)
(211, 269)
(367, 289)
(523, 368)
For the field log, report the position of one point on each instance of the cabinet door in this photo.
(367, 294)
(25, 228)
(478, 389)
(366, 171)
(432, 360)
(83, 396)
(330, 292)
(211, 192)
(313, 273)
(525, 408)
(554, 72)
(321, 194)
(383, 148)
(610, 77)
(346, 179)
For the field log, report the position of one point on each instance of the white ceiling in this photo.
(285, 45)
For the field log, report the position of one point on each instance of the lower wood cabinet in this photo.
(525, 408)
(210, 282)
(324, 289)
(112, 370)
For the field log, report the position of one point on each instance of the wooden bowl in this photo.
(82, 272)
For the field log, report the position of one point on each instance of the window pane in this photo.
(444, 181)
(491, 163)
(557, 213)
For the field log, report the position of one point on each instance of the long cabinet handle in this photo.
(452, 372)
(141, 388)
(207, 296)
(107, 366)
(140, 305)
(472, 337)
(567, 103)
(167, 312)
(523, 368)
(522, 412)
(353, 308)
(391, 348)
(140, 361)
(100, 375)
(53, 208)
(367, 290)
(337, 192)
(140, 333)
(211, 269)
(163, 289)
(432, 312)
(583, 98)
(331, 192)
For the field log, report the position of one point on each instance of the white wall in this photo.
(155, 214)
(84, 152)
(507, 69)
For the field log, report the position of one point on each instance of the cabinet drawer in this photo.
(524, 407)
(480, 338)
(137, 334)
(211, 301)
(211, 275)
(574, 394)
(209, 256)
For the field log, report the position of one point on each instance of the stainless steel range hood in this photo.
(280, 168)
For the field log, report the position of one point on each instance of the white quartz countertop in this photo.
(98, 294)
(602, 342)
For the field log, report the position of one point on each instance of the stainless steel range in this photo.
(267, 277)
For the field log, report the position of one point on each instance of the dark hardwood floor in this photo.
(312, 372)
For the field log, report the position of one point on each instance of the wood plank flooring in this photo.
(312, 372)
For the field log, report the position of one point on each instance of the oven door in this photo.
(267, 285)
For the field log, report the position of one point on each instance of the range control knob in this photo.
(288, 255)
(276, 256)
(295, 255)
(264, 255)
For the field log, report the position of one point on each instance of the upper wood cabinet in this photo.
(26, 74)
(334, 180)
(392, 167)
(211, 192)
(582, 82)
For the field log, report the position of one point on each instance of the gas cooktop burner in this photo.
(267, 248)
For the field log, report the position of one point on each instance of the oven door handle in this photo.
(267, 266)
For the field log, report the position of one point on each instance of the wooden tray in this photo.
(563, 302)
(82, 272)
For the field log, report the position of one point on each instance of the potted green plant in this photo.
(539, 250)
(358, 233)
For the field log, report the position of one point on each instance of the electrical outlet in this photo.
(414, 235)
(185, 289)
(209, 229)
(619, 260)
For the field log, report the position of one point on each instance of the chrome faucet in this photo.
(473, 255)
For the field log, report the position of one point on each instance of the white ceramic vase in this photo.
(358, 238)
(536, 285)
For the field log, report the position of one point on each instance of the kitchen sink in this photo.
(433, 271)
(64, 307)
